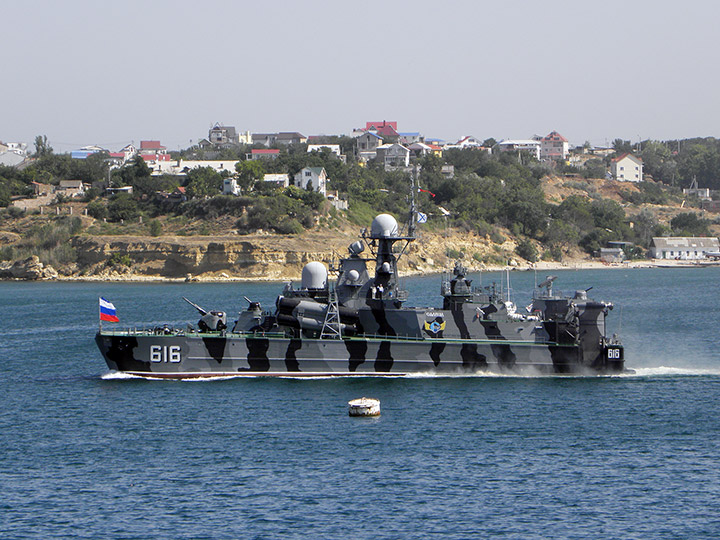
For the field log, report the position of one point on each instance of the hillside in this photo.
(77, 246)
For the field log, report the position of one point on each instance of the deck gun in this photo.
(210, 321)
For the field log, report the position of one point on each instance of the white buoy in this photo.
(364, 406)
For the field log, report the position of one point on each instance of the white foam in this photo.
(118, 375)
(663, 371)
(659, 371)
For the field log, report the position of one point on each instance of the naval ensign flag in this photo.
(107, 311)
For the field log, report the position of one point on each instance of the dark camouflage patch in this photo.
(384, 361)
(215, 347)
(357, 351)
(121, 353)
(257, 354)
(291, 363)
(436, 349)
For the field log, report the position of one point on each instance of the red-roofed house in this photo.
(627, 168)
(376, 125)
(263, 153)
(554, 146)
(154, 158)
(384, 129)
(152, 146)
(153, 152)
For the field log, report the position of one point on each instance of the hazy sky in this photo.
(108, 73)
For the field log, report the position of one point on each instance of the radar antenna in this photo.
(548, 284)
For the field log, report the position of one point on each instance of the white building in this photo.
(280, 180)
(315, 176)
(393, 156)
(627, 168)
(333, 148)
(467, 142)
(530, 146)
(230, 187)
(554, 147)
(12, 153)
(180, 167)
(683, 248)
(70, 188)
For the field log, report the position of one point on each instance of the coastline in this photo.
(224, 277)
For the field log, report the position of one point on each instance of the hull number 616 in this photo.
(160, 353)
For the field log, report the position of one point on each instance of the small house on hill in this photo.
(627, 168)
(315, 177)
(554, 146)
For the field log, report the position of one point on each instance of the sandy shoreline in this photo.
(540, 266)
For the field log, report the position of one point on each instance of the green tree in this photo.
(42, 147)
(527, 250)
(658, 161)
(249, 172)
(644, 227)
(123, 207)
(622, 147)
(607, 214)
(134, 173)
(155, 228)
(97, 209)
(689, 224)
(203, 182)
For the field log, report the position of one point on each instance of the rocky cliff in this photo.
(247, 257)
(260, 256)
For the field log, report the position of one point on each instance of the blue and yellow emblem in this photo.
(435, 327)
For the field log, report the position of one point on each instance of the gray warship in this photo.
(362, 325)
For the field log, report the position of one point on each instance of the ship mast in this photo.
(412, 220)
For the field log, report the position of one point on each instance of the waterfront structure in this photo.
(627, 168)
(683, 248)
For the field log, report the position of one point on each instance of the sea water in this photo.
(85, 453)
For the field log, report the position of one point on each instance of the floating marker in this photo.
(364, 406)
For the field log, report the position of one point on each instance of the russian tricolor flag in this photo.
(107, 311)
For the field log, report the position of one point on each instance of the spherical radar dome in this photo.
(314, 276)
(384, 226)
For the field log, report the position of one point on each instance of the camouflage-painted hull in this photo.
(214, 354)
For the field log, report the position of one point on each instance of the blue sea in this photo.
(85, 453)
